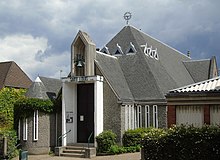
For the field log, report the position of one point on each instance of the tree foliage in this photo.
(8, 97)
(25, 106)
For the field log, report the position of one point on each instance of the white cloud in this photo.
(40, 32)
(30, 53)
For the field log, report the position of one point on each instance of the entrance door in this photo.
(85, 112)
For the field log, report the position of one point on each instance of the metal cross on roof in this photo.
(127, 16)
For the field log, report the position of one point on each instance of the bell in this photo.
(79, 64)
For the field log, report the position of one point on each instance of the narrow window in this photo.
(25, 129)
(155, 116)
(135, 117)
(19, 129)
(139, 117)
(35, 125)
(147, 116)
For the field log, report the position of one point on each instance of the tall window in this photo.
(147, 116)
(129, 117)
(19, 129)
(35, 125)
(155, 116)
(139, 116)
(25, 129)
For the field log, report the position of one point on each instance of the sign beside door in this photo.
(69, 117)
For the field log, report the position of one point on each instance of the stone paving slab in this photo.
(127, 156)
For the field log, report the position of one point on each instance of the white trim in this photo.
(131, 47)
(155, 116)
(64, 139)
(147, 116)
(19, 129)
(126, 117)
(98, 109)
(25, 129)
(133, 117)
(35, 126)
(129, 117)
(139, 116)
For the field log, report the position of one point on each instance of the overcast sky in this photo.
(37, 34)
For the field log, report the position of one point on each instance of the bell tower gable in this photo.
(83, 52)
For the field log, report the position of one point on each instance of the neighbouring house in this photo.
(39, 133)
(123, 85)
(13, 76)
(196, 104)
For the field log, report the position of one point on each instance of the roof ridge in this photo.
(159, 41)
(49, 78)
(197, 60)
(138, 56)
(111, 56)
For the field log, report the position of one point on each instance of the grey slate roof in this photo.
(143, 77)
(199, 70)
(44, 88)
(110, 68)
(37, 90)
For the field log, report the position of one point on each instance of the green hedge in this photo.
(12, 140)
(134, 137)
(105, 140)
(183, 142)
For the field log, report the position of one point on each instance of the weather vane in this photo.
(127, 16)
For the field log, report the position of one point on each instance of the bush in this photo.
(105, 141)
(134, 137)
(183, 142)
(12, 141)
(115, 149)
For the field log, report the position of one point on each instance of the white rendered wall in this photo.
(98, 106)
(69, 105)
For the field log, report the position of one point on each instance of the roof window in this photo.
(131, 48)
(118, 50)
(105, 50)
(150, 52)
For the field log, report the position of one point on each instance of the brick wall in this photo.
(171, 115)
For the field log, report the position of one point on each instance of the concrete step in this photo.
(73, 155)
(73, 151)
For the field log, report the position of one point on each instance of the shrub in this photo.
(115, 149)
(183, 142)
(12, 151)
(105, 141)
(134, 137)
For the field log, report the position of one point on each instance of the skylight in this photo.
(118, 50)
(131, 49)
(105, 50)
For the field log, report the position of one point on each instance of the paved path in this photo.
(127, 156)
